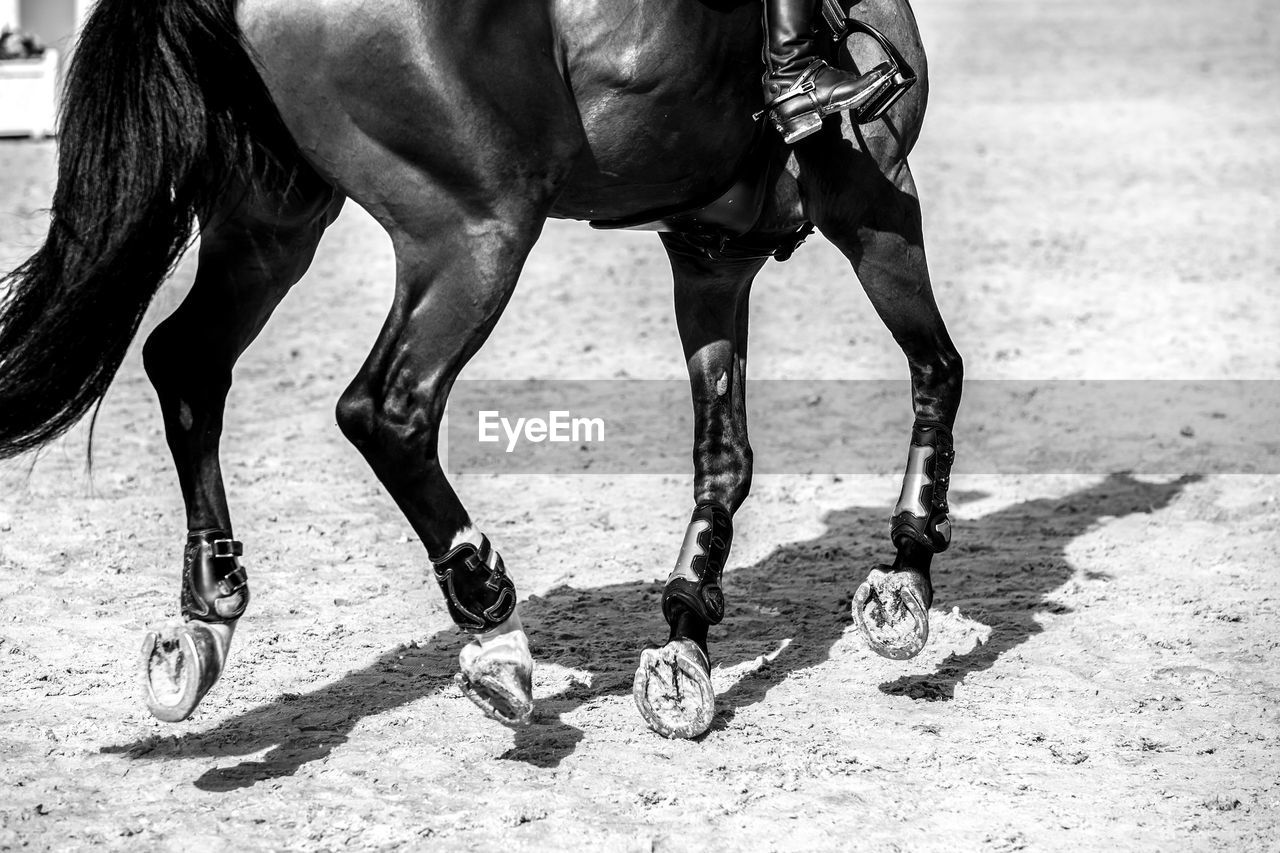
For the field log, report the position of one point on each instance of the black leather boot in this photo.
(800, 88)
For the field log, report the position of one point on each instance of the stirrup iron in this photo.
(901, 76)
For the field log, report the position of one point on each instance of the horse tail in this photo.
(163, 112)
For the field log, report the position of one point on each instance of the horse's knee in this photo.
(945, 368)
(949, 364)
(724, 475)
(740, 476)
(937, 381)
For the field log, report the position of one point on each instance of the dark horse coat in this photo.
(461, 126)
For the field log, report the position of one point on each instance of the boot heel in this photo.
(797, 127)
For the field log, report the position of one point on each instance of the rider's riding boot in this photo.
(799, 87)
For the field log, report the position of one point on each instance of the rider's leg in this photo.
(799, 86)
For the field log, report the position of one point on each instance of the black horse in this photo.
(461, 126)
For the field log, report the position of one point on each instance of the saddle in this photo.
(716, 225)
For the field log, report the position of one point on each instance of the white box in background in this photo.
(29, 95)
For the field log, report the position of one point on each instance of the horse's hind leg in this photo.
(460, 166)
(871, 211)
(249, 258)
(672, 686)
(455, 272)
(461, 236)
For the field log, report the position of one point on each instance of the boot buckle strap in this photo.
(233, 582)
(227, 548)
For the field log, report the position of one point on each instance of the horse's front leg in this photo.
(873, 215)
(673, 684)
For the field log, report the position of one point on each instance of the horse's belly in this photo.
(666, 90)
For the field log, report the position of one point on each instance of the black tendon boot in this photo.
(799, 87)
(215, 588)
(922, 514)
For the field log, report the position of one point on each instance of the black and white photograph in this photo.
(381, 469)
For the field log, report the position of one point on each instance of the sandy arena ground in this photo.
(1100, 185)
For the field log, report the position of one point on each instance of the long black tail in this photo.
(163, 112)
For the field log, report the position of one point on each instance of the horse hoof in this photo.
(890, 612)
(498, 676)
(673, 691)
(180, 663)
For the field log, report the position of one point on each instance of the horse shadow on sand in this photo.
(1003, 571)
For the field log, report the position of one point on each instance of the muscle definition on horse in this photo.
(461, 126)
